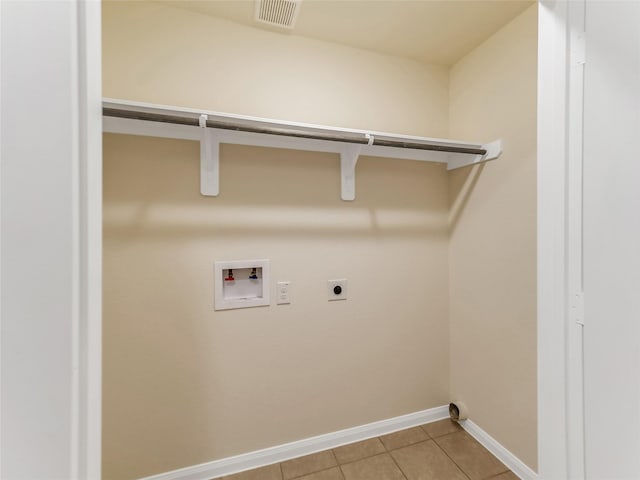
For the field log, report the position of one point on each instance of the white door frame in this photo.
(560, 311)
(51, 234)
(89, 462)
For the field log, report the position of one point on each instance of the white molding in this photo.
(280, 453)
(52, 180)
(574, 306)
(514, 464)
(88, 449)
(1, 224)
(553, 415)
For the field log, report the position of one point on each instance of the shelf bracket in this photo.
(209, 160)
(348, 160)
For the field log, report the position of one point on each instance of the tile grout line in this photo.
(363, 458)
(425, 431)
(471, 437)
(335, 457)
(392, 450)
(410, 444)
(389, 452)
(379, 455)
(339, 464)
(317, 471)
(448, 456)
(386, 450)
(394, 462)
(498, 474)
(433, 439)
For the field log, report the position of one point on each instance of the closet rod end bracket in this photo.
(494, 150)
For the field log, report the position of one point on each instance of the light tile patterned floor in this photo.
(435, 451)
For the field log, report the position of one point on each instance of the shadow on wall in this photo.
(461, 186)
(152, 186)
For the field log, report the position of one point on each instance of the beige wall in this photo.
(493, 238)
(159, 54)
(184, 384)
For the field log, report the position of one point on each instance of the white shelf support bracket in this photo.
(348, 160)
(209, 160)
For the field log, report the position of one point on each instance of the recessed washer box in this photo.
(241, 284)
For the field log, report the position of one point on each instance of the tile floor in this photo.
(435, 451)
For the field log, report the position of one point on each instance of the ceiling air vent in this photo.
(278, 13)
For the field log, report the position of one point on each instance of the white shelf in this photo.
(213, 128)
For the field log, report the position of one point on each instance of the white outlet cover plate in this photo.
(282, 293)
(331, 284)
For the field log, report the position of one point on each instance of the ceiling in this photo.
(430, 31)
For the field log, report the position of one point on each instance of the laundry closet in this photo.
(436, 266)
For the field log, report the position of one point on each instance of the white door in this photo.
(50, 233)
(611, 232)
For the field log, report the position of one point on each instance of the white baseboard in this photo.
(260, 458)
(505, 456)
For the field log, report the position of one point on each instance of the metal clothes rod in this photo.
(289, 132)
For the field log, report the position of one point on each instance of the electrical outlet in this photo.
(282, 297)
(337, 289)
